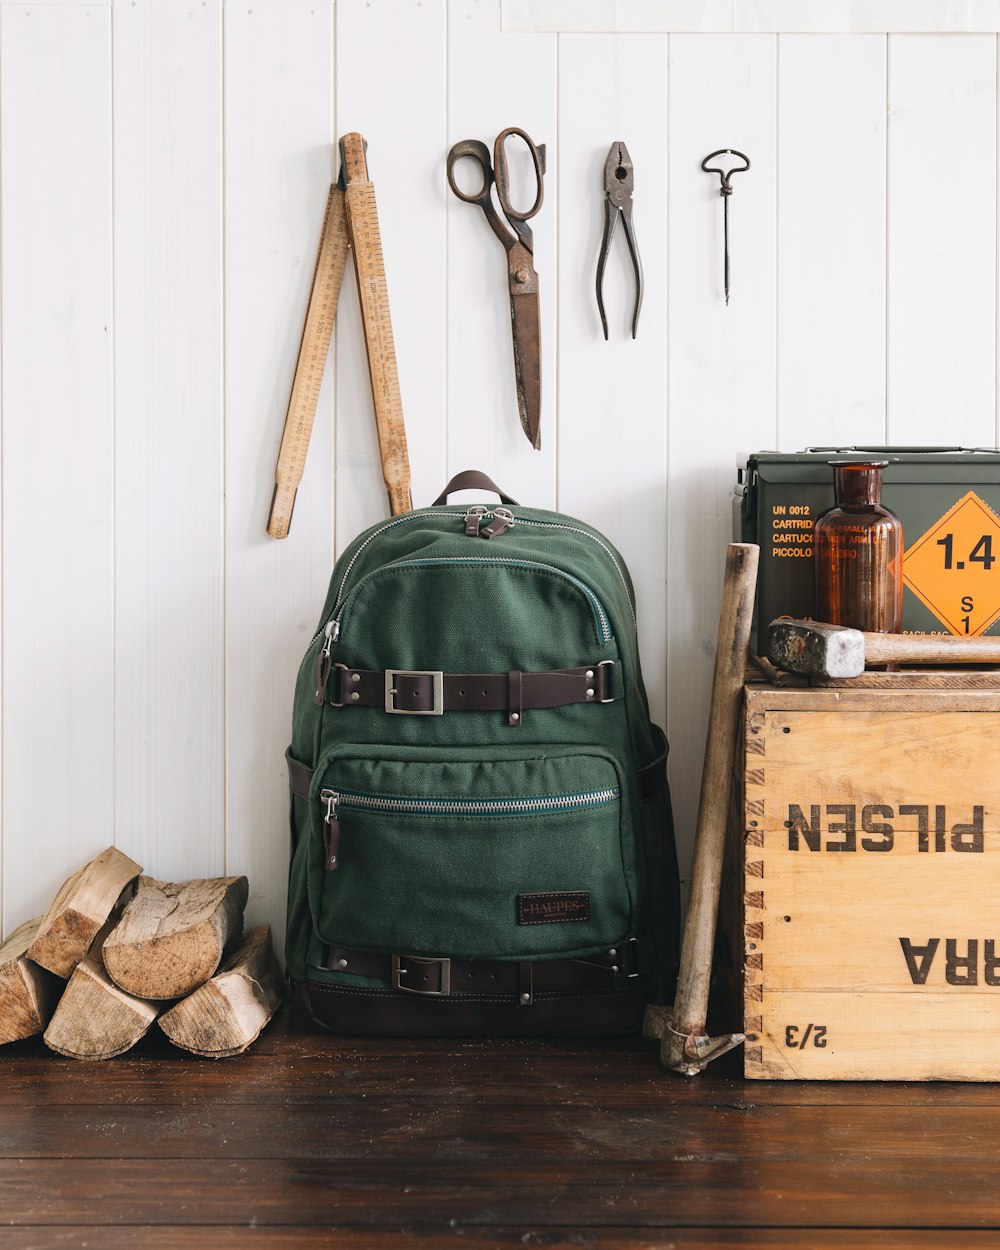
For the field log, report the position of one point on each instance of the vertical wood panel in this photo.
(942, 239)
(149, 625)
(831, 244)
(613, 395)
(58, 593)
(169, 435)
(495, 81)
(391, 86)
(722, 360)
(279, 162)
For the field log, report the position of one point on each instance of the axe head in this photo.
(815, 649)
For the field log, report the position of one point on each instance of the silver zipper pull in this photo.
(503, 519)
(323, 661)
(473, 519)
(331, 828)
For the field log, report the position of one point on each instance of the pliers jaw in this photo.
(619, 176)
(619, 182)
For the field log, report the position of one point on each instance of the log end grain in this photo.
(171, 937)
(82, 905)
(227, 1014)
(94, 1019)
(28, 993)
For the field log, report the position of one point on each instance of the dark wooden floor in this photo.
(310, 1140)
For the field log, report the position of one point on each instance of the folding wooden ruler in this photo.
(351, 222)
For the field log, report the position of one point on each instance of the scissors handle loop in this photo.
(480, 153)
(502, 177)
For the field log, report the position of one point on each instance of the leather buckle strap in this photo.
(299, 776)
(435, 974)
(429, 692)
(442, 978)
(392, 692)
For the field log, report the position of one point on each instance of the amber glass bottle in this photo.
(858, 545)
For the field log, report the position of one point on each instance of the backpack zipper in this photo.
(574, 529)
(473, 518)
(354, 801)
(334, 627)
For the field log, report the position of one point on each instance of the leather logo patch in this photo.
(555, 908)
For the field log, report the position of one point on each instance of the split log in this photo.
(171, 937)
(78, 911)
(228, 1012)
(28, 993)
(95, 1019)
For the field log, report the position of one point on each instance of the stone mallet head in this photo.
(815, 649)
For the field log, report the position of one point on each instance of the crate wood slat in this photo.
(864, 876)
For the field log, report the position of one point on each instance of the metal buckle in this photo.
(607, 678)
(390, 691)
(444, 965)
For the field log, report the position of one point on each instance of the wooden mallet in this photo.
(816, 649)
(684, 1045)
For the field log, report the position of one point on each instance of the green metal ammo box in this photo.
(948, 499)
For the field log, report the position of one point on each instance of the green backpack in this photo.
(482, 840)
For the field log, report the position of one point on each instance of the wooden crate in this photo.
(862, 901)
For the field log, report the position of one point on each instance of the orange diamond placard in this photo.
(954, 569)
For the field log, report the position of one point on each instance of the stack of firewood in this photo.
(117, 950)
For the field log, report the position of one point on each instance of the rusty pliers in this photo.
(619, 181)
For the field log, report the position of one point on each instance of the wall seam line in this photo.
(335, 336)
(886, 423)
(223, 342)
(114, 446)
(777, 241)
(449, 209)
(558, 269)
(667, 381)
(3, 496)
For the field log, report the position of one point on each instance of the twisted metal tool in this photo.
(726, 191)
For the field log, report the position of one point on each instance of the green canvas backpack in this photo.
(482, 840)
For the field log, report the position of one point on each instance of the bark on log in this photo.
(28, 993)
(95, 1019)
(228, 1012)
(78, 911)
(171, 937)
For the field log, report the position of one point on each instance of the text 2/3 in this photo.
(798, 1038)
(981, 553)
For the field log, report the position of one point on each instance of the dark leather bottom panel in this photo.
(389, 1013)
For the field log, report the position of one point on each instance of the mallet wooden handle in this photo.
(930, 649)
(691, 1000)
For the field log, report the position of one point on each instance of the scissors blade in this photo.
(525, 323)
(526, 326)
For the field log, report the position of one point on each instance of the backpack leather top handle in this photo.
(471, 479)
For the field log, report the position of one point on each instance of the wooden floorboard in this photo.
(312, 1140)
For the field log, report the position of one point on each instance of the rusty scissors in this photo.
(522, 280)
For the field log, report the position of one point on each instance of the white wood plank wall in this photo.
(163, 171)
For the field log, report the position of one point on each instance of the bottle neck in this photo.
(857, 485)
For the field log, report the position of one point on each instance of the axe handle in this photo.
(691, 1001)
(930, 649)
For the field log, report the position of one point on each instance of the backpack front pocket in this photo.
(509, 858)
